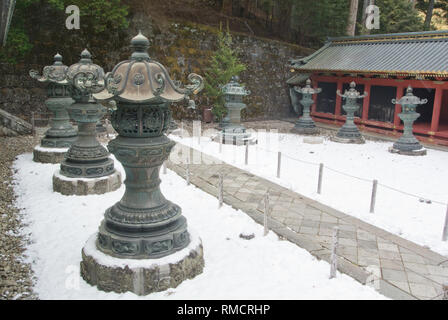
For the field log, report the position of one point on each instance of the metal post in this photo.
(187, 172)
(266, 213)
(33, 126)
(181, 129)
(334, 256)
(445, 291)
(319, 182)
(373, 199)
(279, 163)
(220, 143)
(246, 158)
(445, 227)
(220, 189)
(164, 167)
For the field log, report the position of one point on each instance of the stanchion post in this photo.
(279, 163)
(220, 190)
(319, 182)
(445, 291)
(373, 198)
(334, 256)
(187, 172)
(266, 213)
(246, 157)
(445, 227)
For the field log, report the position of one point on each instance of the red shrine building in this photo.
(383, 66)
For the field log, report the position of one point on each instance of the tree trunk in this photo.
(429, 14)
(227, 7)
(366, 3)
(351, 24)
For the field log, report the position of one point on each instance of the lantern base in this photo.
(49, 155)
(419, 152)
(85, 186)
(305, 125)
(142, 276)
(354, 140)
(305, 130)
(238, 139)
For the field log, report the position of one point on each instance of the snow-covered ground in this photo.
(261, 268)
(404, 215)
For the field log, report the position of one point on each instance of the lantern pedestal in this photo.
(349, 132)
(49, 155)
(85, 186)
(349, 135)
(141, 277)
(61, 134)
(408, 144)
(233, 132)
(143, 244)
(87, 168)
(420, 152)
(305, 126)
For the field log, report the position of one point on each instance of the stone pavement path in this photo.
(396, 267)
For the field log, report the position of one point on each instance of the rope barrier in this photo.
(351, 176)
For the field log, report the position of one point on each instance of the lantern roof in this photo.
(85, 75)
(308, 89)
(142, 79)
(409, 98)
(234, 88)
(352, 93)
(54, 73)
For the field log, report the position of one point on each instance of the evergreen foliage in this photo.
(223, 65)
(397, 16)
(97, 17)
(314, 21)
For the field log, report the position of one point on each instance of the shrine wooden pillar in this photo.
(436, 111)
(397, 120)
(314, 106)
(366, 103)
(337, 109)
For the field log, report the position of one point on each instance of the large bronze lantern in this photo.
(349, 132)
(233, 131)
(87, 168)
(305, 124)
(61, 134)
(408, 144)
(143, 225)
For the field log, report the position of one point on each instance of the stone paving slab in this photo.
(396, 267)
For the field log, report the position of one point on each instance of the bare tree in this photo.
(351, 25)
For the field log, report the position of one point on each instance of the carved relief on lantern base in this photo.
(144, 276)
(152, 241)
(60, 142)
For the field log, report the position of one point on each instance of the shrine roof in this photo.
(417, 54)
